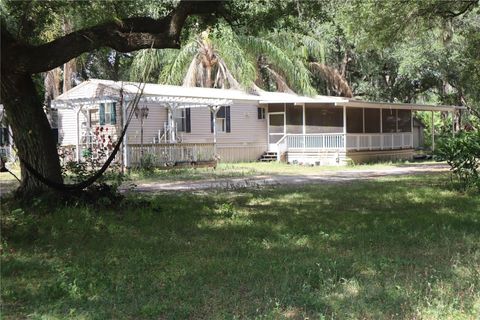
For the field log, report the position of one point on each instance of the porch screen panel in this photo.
(276, 107)
(294, 119)
(372, 120)
(354, 120)
(389, 120)
(276, 123)
(404, 120)
(323, 119)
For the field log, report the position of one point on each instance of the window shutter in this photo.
(259, 113)
(113, 113)
(55, 134)
(227, 119)
(188, 124)
(101, 111)
(211, 121)
(6, 136)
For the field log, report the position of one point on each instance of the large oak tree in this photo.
(21, 60)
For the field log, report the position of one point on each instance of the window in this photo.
(108, 113)
(261, 113)
(222, 120)
(180, 119)
(93, 117)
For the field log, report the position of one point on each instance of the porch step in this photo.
(268, 157)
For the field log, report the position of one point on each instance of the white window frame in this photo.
(108, 113)
(180, 117)
(220, 123)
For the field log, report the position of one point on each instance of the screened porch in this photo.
(329, 127)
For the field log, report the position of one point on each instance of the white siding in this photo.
(157, 116)
(245, 127)
(67, 127)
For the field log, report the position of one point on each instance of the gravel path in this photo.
(337, 176)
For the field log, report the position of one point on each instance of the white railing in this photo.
(379, 141)
(338, 141)
(167, 154)
(326, 141)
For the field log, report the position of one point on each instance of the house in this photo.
(174, 123)
(6, 147)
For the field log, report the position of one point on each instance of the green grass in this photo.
(396, 248)
(248, 169)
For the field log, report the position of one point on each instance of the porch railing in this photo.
(379, 141)
(338, 141)
(165, 154)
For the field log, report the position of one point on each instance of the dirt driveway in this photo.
(337, 176)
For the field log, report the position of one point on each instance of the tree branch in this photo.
(127, 35)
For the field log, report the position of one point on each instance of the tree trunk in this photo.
(33, 137)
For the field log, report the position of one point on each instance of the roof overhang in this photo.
(405, 106)
(173, 101)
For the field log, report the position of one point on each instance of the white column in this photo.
(214, 110)
(345, 128)
(381, 128)
(433, 134)
(125, 138)
(411, 128)
(77, 118)
(304, 129)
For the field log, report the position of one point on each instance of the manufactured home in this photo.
(172, 124)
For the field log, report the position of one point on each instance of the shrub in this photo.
(462, 153)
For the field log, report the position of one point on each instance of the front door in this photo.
(276, 129)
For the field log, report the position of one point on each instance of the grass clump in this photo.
(398, 248)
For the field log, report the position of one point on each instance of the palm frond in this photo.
(297, 76)
(176, 66)
(333, 78)
(143, 60)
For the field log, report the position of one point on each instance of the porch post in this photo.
(411, 128)
(77, 123)
(304, 129)
(433, 134)
(214, 110)
(381, 128)
(171, 122)
(345, 127)
(125, 138)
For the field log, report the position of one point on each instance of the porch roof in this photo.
(95, 91)
(407, 106)
(282, 97)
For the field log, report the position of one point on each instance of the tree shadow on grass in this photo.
(378, 249)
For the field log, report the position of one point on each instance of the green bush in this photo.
(462, 153)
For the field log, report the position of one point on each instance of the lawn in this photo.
(395, 248)
(249, 169)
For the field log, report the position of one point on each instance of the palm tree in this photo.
(284, 61)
